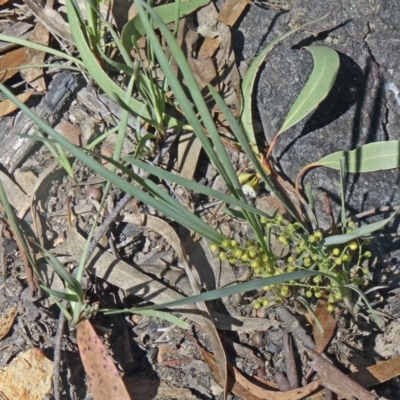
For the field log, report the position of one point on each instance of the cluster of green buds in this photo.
(338, 266)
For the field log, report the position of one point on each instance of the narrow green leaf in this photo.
(367, 158)
(246, 117)
(368, 304)
(188, 220)
(73, 298)
(326, 65)
(153, 313)
(228, 291)
(134, 28)
(365, 230)
(100, 77)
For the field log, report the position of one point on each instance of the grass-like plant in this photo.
(314, 263)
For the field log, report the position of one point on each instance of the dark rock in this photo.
(363, 106)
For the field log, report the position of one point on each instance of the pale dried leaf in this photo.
(189, 148)
(105, 383)
(51, 19)
(26, 180)
(11, 59)
(71, 132)
(208, 48)
(34, 76)
(7, 321)
(231, 11)
(18, 29)
(7, 106)
(17, 198)
(28, 377)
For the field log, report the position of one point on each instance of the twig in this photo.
(294, 327)
(2, 260)
(291, 370)
(334, 380)
(57, 355)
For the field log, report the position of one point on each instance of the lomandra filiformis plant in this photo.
(339, 267)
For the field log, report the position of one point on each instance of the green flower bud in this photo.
(214, 247)
(238, 253)
(367, 254)
(338, 295)
(245, 257)
(317, 294)
(330, 308)
(331, 299)
(307, 261)
(234, 243)
(222, 255)
(252, 253)
(353, 246)
(265, 303)
(263, 220)
(346, 257)
(309, 294)
(291, 259)
(336, 252)
(338, 261)
(318, 235)
(225, 243)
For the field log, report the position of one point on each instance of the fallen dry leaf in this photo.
(231, 11)
(7, 106)
(18, 199)
(34, 76)
(243, 387)
(105, 383)
(12, 59)
(28, 377)
(71, 132)
(328, 323)
(189, 148)
(7, 321)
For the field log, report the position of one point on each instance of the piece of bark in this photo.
(291, 370)
(331, 378)
(293, 326)
(14, 148)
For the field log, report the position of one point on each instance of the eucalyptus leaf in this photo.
(367, 158)
(322, 78)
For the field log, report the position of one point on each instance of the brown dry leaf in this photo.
(371, 376)
(71, 132)
(34, 76)
(2, 2)
(7, 321)
(189, 148)
(11, 59)
(328, 323)
(18, 199)
(28, 377)
(243, 387)
(7, 106)
(208, 48)
(227, 72)
(26, 180)
(105, 383)
(231, 11)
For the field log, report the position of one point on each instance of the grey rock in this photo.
(363, 106)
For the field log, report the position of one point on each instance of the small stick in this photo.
(57, 355)
(334, 380)
(291, 369)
